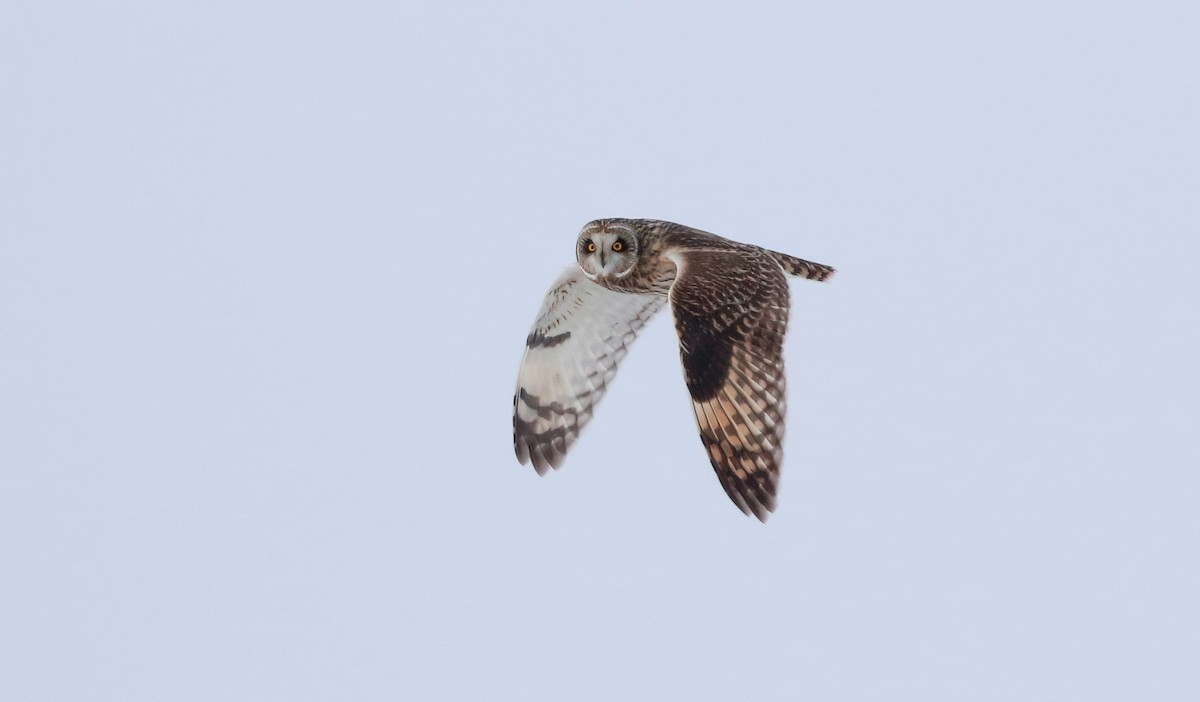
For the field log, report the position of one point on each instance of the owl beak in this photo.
(602, 263)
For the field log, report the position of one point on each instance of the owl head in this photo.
(607, 249)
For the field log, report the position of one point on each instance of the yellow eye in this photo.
(591, 247)
(617, 246)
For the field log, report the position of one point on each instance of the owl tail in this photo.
(804, 269)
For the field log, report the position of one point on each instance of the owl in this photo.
(730, 304)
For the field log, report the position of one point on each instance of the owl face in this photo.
(607, 250)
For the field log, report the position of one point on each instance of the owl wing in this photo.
(731, 312)
(581, 333)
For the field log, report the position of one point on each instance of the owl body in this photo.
(730, 302)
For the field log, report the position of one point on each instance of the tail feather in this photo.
(804, 269)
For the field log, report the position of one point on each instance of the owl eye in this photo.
(618, 245)
(591, 247)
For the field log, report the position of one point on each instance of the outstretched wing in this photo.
(731, 311)
(581, 333)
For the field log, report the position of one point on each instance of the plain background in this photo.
(266, 270)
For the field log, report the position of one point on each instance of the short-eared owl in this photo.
(730, 302)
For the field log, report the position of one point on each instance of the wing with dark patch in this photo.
(581, 333)
(731, 311)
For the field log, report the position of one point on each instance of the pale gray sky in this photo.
(266, 270)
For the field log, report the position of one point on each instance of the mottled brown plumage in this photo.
(730, 302)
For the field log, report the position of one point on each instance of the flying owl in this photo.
(730, 303)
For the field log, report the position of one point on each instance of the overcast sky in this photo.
(266, 272)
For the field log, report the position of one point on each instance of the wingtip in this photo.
(544, 458)
(756, 505)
